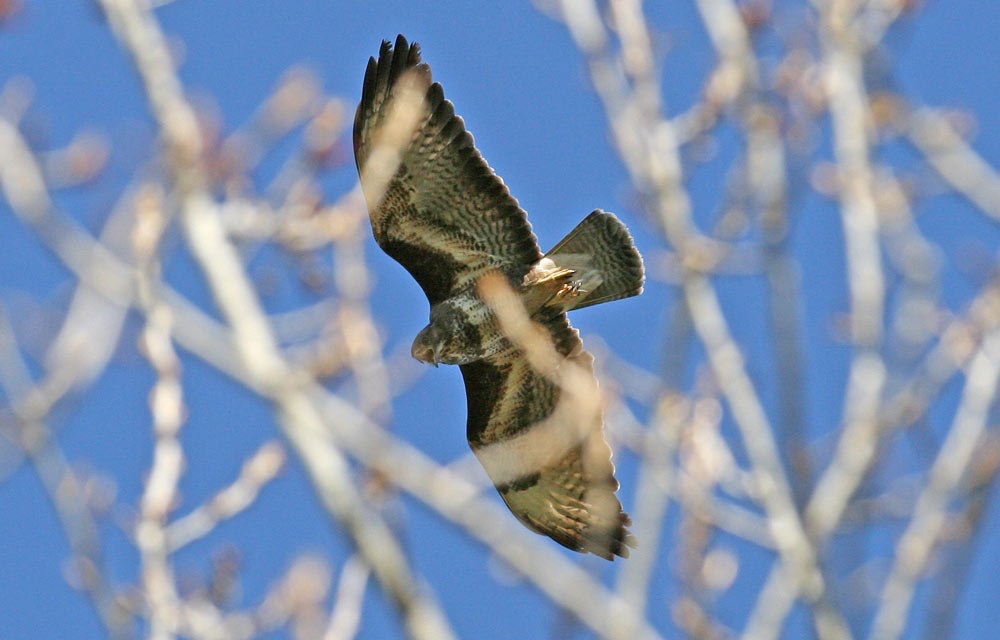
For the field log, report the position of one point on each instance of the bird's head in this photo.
(428, 345)
(449, 338)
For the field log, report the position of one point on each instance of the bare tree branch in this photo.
(734, 458)
(923, 533)
(303, 426)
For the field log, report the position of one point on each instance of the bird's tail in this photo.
(597, 261)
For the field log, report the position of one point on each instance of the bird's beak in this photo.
(425, 355)
(422, 348)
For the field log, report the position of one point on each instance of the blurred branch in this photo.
(447, 492)
(24, 188)
(299, 599)
(346, 617)
(67, 490)
(71, 364)
(737, 82)
(921, 536)
(87, 338)
(858, 442)
(956, 570)
(354, 319)
(166, 403)
(800, 564)
(260, 469)
(302, 424)
(852, 121)
(650, 149)
(657, 477)
(954, 159)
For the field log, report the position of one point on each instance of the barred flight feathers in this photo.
(439, 210)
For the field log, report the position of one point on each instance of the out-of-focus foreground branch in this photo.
(732, 461)
(821, 78)
(323, 427)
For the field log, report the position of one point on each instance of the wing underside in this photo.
(439, 209)
(540, 439)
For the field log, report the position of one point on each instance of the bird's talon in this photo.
(571, 290)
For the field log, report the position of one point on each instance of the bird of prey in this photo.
(439, 210)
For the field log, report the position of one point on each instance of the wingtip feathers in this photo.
(607, 537)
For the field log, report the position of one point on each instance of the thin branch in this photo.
(656, 479)
(447, 492)
(858, 443)
(659, 166)
(215, 254)
(866, 380)
(953, 580)
(166, 403)
(258, 470)
(921, 537)
(738, 80)
(345, 620)
(954, 159)
(66, 489)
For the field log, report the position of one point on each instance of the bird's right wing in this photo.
(540, 438)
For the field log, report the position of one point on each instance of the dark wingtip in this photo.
(394, 59)
(621, 540)
(412, 49)
(401, 44)
(624, 539)
(608, 543)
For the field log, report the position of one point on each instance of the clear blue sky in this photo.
(517, 79)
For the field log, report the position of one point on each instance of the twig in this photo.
(657, 477)
(921, 536)
(954, 159)
(952, 581)
(299, 599)
(738, 80)
(858, 443)
(301, 423)
(66, 489)
(90, 330)
(447, 492)
(93, 263)
(345, 619)
(358, 327)
(661, 168)
(167, 408)
(260, 469)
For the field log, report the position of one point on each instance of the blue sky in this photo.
(517, 79)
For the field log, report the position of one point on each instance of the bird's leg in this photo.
(571, 289)
(542, 283)
(574, 291)
(549, 284)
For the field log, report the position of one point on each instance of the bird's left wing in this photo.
(540, 438)
(435, 205)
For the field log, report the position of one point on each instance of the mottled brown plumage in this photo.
(440, 211)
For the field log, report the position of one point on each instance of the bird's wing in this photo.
(540, 438)
(435, 205)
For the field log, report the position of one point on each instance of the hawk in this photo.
(438, 209)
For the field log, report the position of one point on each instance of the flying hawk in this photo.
(440, 211)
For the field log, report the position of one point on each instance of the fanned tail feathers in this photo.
(600, 255)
